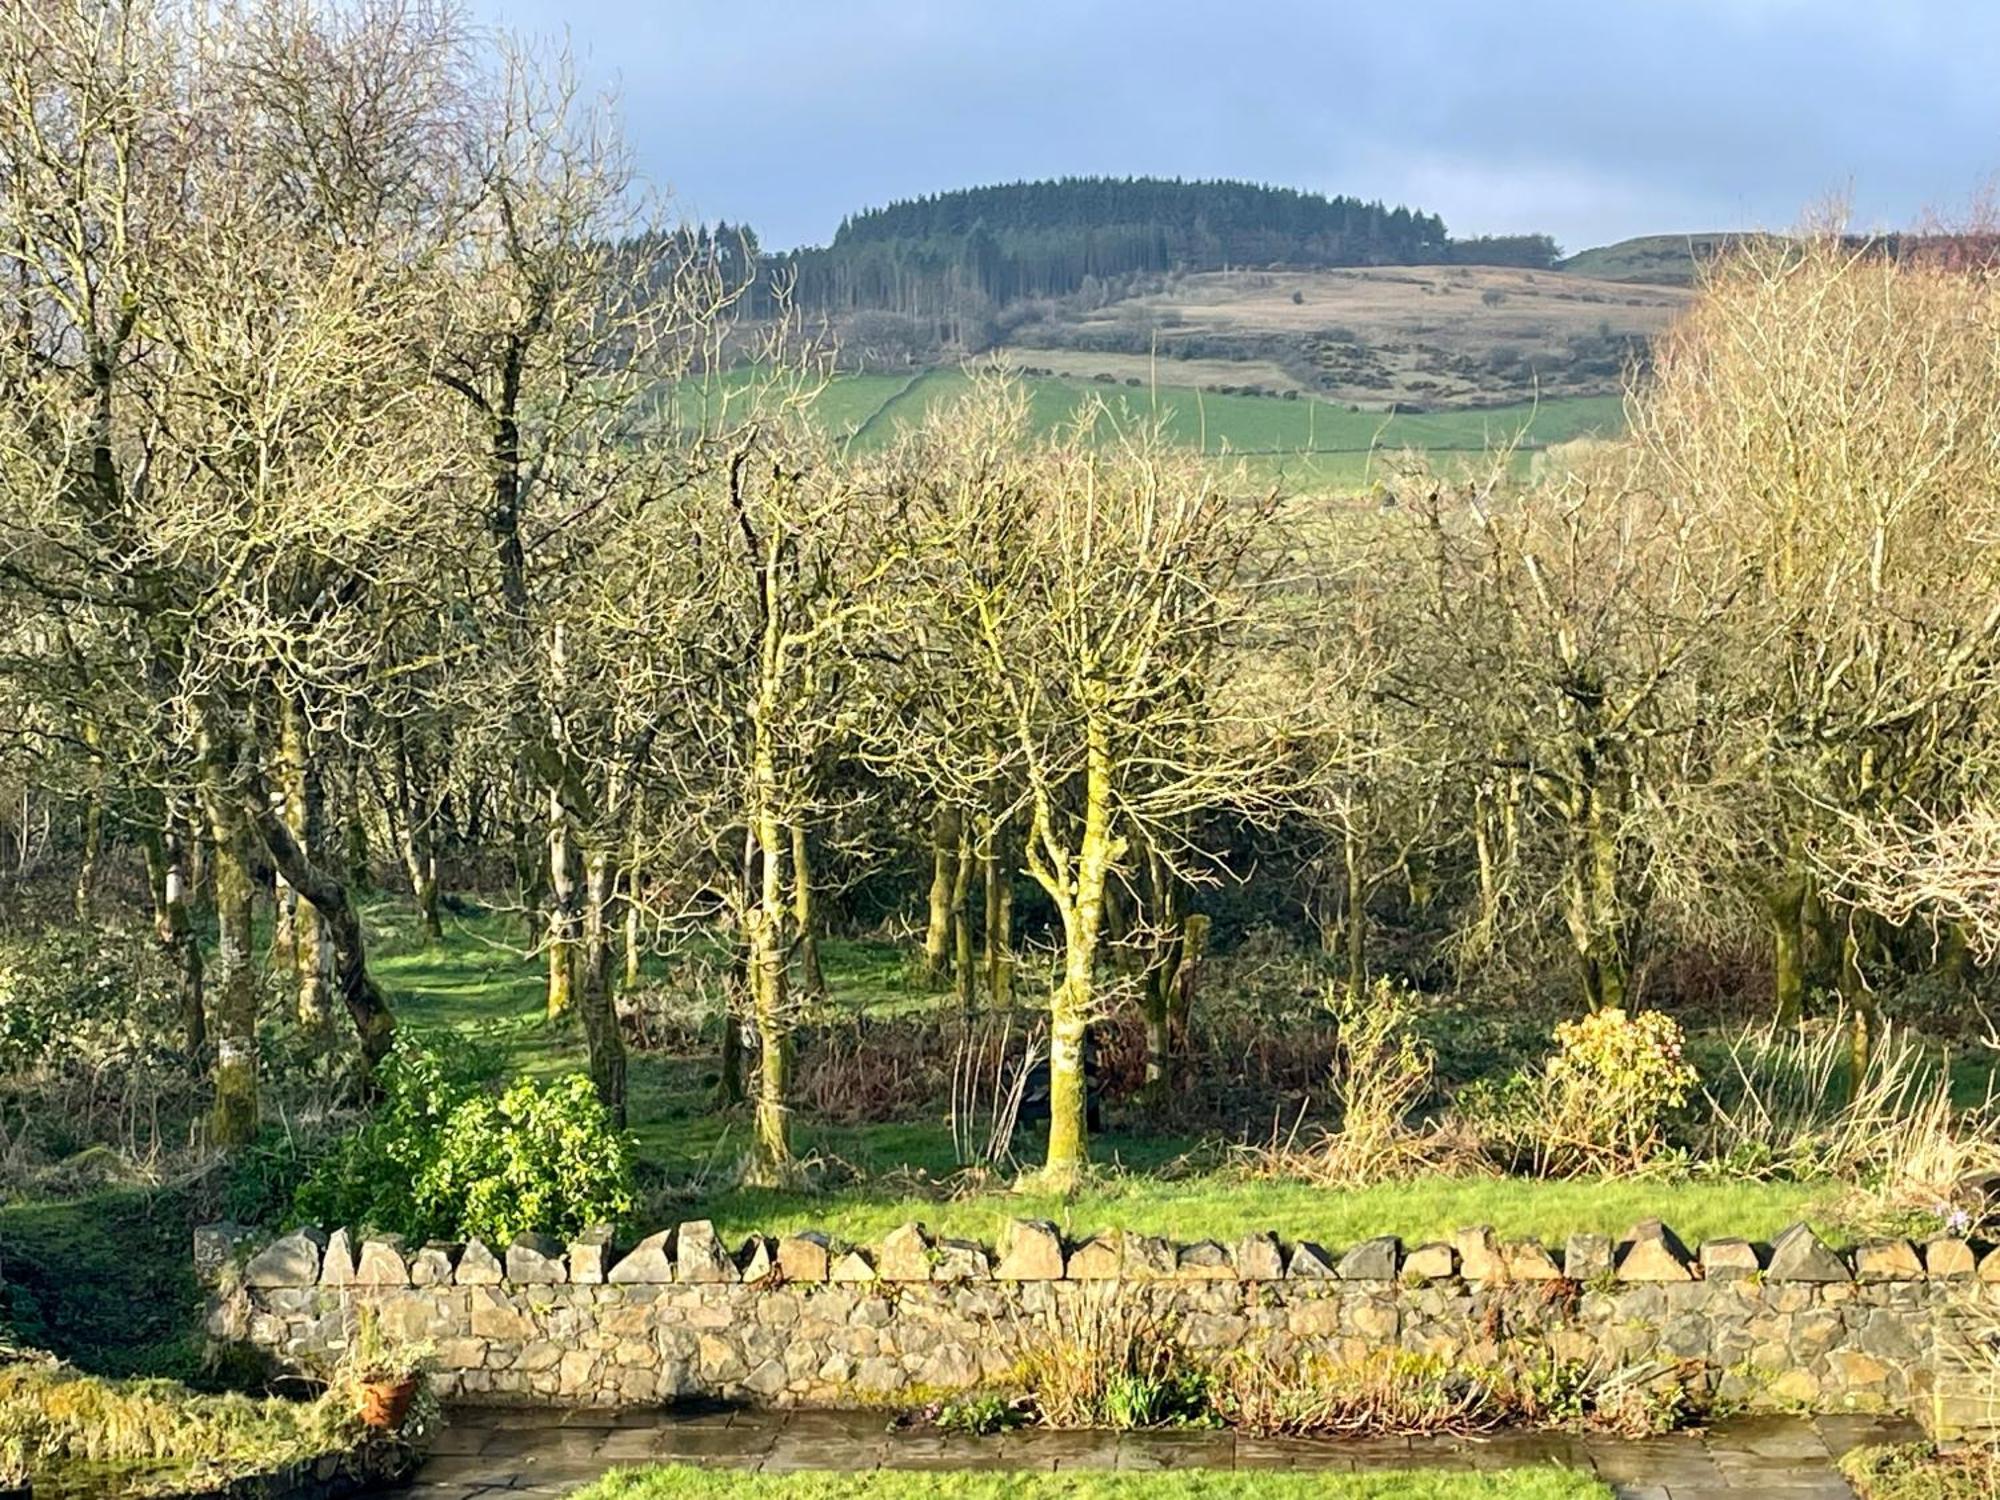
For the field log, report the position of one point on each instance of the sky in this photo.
(1588, 121)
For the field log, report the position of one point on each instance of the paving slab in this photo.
(515, 1454)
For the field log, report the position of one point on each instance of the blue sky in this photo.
(1590, 121)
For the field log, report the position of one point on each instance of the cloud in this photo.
(1589, 120)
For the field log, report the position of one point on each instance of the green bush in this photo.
(444, 1158)
(540, 1157)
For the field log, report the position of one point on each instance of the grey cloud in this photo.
(1590, 120)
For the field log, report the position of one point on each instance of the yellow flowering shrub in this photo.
(1609, 1088)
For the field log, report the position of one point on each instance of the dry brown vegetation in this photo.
(1433, 336)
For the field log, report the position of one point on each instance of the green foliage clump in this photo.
(444, 1158)
(1600, 1103)
(540, 1157)
(95, 995)
(980, 1415)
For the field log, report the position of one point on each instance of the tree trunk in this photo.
(1594, 906)
(1356, 929)
(999, 913)
(729, 1087)
(937, 934)
(771, 1163)
(965, 979)
(415, 812)
(1785, 904)
(563, 915)
(1180, 1013)
(634, 891)
(374, 1022)
(596, 1002)
(804, 917)
(304, 813)
(234, 1116)
(354, 833)
(1070, 1007)
(93, 828)
(166, 877)
(1162, 975)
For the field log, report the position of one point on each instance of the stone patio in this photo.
(499, 1453)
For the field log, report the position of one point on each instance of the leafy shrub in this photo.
(92, 995)
(370, 1177)
(96, 1088)
(444, 1158)
(540, 1157)
(1600, 1103)
(1613, 1080)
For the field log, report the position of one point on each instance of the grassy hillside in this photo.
(1425, 336)
(1306, 443)
(1658, 259)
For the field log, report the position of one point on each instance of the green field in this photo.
(1303, 444)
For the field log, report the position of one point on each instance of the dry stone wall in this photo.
(801, 1320)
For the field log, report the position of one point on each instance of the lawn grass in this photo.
(482, 984)
(105, 1282)
(679, 1482)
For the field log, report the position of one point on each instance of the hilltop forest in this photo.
(982, 249)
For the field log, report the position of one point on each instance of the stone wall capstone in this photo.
(804, 1320)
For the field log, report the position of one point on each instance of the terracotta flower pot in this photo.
(384, 1403)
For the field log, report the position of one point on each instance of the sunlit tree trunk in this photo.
(233, 1117)
(304, 813)
(771, 1161)
(564, 918)
(374, 1022)
(937, 932)
(804, 918)
(1081, 906)
(596, 1002)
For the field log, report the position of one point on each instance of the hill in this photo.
(1658, 259)
(1377, 337)
(965, 256)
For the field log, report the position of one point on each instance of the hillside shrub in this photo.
(445, 1158)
